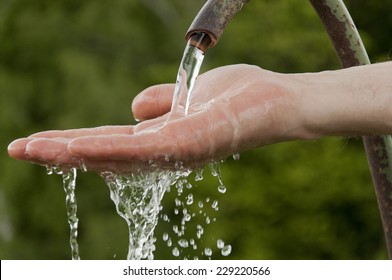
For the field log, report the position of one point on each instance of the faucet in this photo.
(208, 25)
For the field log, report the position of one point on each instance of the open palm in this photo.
(233, 108)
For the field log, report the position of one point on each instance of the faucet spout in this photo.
(213, 18)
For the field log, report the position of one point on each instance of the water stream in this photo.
(188, 71)
(69, 185)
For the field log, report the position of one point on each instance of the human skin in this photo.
(233, 109)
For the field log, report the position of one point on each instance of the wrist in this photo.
(347, 102)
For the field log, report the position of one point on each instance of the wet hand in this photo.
(233, 108)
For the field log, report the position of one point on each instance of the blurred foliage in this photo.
(70, 63)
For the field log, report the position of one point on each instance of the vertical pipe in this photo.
(351, 52)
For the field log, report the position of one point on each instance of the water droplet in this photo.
(187, 217)
(214, 167)
(200, 204)
(175, 252)
(183, 243)
(214, 204)
(222, 189)
(220, 243)
(165, 236)
(82, 166)
(199, 174)
(182, 231)
(208, 252)
(226, 250)
(180, 189)
(199, 231)
(58, 170)
(189, 200)
(208, 220)
(236, 156)
(49, 169)
(177, 202)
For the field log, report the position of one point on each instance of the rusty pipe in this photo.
(351, 52)
(212, 20)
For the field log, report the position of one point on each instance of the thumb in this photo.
(153, 102)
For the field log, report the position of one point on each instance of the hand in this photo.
(233, 108)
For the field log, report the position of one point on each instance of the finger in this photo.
(120, 155)
(17, 149)
(73, 133)
(51, 151)
(152, 124)
(125, 155)
(153, 102)
(178, 140)
(38, 153)
(146, 146)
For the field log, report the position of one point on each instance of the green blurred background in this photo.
(71, 63)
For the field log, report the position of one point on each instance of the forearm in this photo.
(353, 101)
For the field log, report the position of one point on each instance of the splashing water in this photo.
(138, 200)
(192, 214)
(138, 197)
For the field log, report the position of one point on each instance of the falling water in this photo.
(190, 217)
(138, 197)
(188, 71)
(69, 184)
(138, 200)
